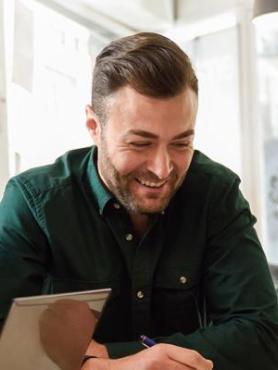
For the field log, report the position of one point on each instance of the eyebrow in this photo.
(149, 135)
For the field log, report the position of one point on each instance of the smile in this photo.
(151, 184)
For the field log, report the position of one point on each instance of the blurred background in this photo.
(47, 51)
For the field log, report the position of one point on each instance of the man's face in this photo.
(146, 147)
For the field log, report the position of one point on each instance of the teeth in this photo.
(152, 184)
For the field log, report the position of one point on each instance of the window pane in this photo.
(267, 47)
(215, 57)
(47, 109)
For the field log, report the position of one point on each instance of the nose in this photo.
(160, 163)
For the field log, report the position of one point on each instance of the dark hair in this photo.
(150, 63)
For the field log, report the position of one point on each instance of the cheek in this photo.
(183, 161)
(127, 162)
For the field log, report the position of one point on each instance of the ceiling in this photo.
(120, 17)
(155, 15)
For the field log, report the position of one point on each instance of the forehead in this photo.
(127, 109)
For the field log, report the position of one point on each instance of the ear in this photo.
(93, 124)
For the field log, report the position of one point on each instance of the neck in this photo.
(140, 223)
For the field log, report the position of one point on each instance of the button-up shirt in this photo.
(197, 278)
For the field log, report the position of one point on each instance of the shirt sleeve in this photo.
(241, 303)
(22, 247)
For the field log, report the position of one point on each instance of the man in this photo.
(143, 213)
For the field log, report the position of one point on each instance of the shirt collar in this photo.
(100, 191)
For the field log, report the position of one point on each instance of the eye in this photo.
(181, 145)
(139, 144)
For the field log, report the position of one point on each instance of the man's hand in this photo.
(66, 329)
(97, 349)
(159, 357)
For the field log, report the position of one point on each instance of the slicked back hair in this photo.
(150, 63)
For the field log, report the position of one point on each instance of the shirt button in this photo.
(129, 237)
(183, 280)
(140, 294)
(116, 205)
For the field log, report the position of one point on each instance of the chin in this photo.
(152, 209)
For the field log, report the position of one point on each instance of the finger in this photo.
(189, 357)
(174, 365)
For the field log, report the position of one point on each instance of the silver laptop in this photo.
(20, 346)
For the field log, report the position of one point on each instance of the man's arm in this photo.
(23, 248)
(240, 297)
(160, 356)
(66, 327)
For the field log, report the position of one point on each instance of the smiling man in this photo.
(144, 213)
(145, 149)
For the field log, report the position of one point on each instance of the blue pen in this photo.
(146, 341)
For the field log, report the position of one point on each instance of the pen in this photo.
(146, 341)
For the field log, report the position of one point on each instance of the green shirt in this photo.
(198, 278)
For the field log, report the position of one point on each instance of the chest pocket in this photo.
(175, 304)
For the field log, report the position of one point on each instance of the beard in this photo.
(120, 185)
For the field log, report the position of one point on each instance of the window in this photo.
(267, 49)
(51, 78)
(215, 57)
